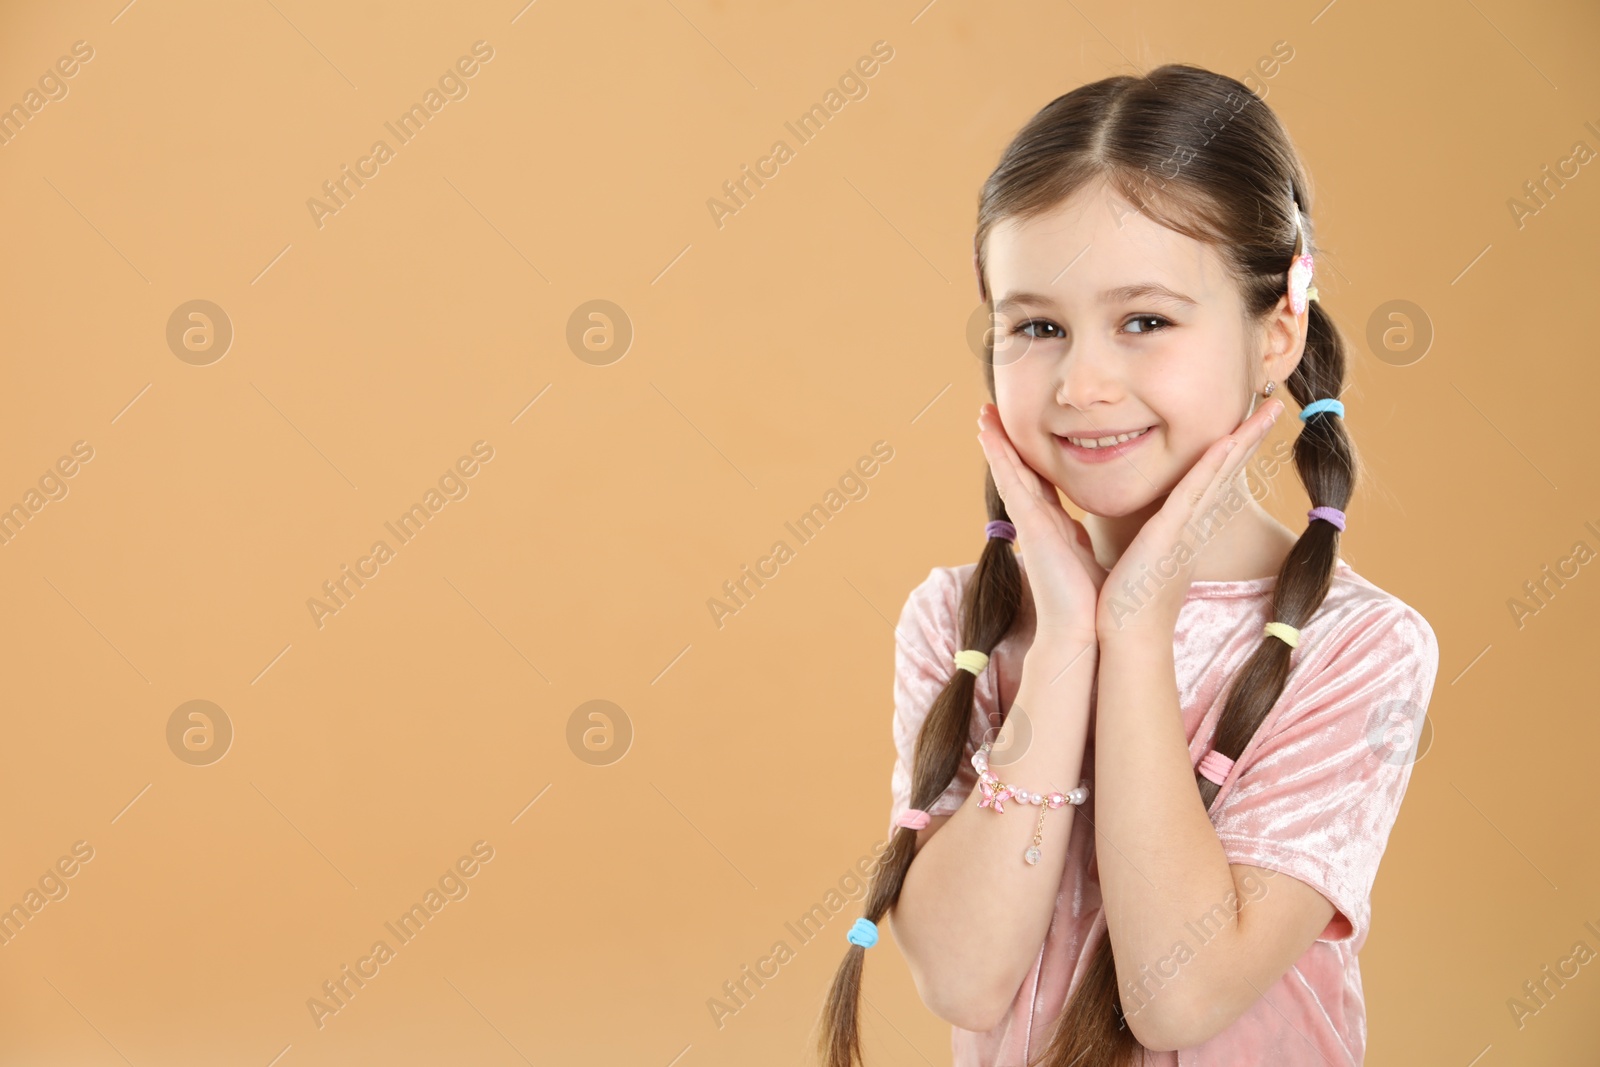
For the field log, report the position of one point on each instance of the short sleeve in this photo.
(925, 647)
(1317, 797)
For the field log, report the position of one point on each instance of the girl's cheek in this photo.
(1016, 395)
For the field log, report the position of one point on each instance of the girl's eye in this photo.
(1161, 323)
(1149, 324)
(1023, 327)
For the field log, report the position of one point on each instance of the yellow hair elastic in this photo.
(1289, 634)
(970, 659)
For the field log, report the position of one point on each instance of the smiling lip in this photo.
(1105, 452)
(1096, 434)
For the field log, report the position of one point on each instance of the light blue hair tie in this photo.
(1325, 404)
(863, 933)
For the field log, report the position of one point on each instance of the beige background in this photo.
(435, 709)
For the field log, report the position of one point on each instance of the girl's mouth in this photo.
(1103, 447)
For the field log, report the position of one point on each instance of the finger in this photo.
(1229, 453)
(1248, 437)
(1007, 481)
(1223, 460)
(1042, 489)
(1039, 512)
(1004, 460)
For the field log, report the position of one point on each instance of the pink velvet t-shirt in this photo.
(1314, 795)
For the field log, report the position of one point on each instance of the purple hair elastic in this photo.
(1333, 515)
(1002, 529)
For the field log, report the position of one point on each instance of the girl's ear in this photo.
(1284, 341)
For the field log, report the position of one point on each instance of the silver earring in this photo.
(1267, 391)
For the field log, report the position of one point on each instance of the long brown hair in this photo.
(1200, 153)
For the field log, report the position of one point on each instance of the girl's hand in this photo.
(1151, 554)
(1058, 557)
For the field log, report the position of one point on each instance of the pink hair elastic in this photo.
(912, 819)
(1333, 515)
(1214, 766)
(1000, 528)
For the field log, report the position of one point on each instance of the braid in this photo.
(990, 603)
(1324, 459)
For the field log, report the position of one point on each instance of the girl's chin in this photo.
(1122, 494)
(1111, 506)
(1111, 490)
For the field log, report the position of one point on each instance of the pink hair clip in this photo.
(1300, 291)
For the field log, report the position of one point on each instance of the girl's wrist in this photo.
(1137, 625)
(1062, 646)
(1146, 633)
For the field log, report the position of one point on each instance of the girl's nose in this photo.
(1084, 376)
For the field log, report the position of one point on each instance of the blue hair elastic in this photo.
(863, 933)
(1325, 404)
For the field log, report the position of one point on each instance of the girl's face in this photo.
(1107, 322)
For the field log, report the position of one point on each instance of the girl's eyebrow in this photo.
(1121, 294)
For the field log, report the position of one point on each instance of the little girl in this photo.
(1148, 763)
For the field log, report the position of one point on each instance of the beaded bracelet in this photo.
(996, 793)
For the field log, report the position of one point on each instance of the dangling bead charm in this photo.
(1032, 855)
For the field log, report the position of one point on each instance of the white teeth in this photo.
(1101, 442)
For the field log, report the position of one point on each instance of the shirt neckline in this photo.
(1219, 588)
(1232, 587)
